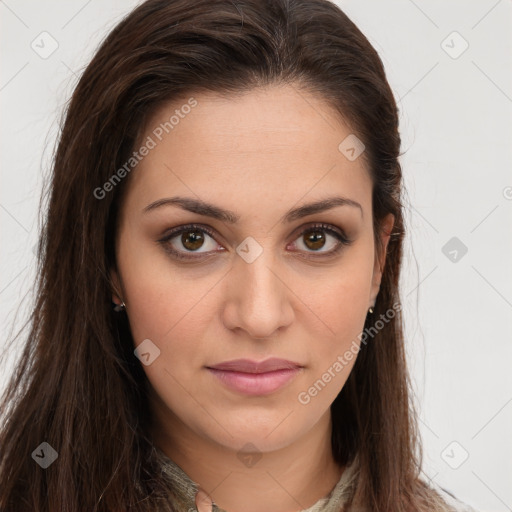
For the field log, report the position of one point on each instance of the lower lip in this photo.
(255, 383)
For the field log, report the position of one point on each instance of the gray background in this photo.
(455, 109)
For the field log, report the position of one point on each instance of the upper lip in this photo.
(250, 366)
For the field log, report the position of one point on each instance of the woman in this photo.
(218, 324)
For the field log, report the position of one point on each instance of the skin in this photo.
(258, 154)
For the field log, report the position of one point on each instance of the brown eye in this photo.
(321, 240)
(192, 239)
(184, 241)
(314, 240)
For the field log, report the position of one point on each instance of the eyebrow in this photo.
(230, 217)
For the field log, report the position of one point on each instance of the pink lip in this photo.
(253, 377)
(250, 366)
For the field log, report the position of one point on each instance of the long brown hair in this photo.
(77, 385)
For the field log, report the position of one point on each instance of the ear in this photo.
(117, 292)
(380, 256)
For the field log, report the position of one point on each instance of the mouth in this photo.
(255, 378)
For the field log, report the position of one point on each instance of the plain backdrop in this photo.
(450, 66)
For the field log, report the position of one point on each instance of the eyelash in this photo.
(343, 240)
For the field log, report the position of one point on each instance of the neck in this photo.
(288, 479)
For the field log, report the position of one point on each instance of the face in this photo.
(239, 269)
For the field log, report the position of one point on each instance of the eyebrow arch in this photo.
(230, 217)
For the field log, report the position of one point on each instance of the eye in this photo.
(191, 239)
(315, 240)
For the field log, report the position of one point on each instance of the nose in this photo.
(258, 299)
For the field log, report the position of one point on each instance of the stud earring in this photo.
(370, 310)
(119, 307)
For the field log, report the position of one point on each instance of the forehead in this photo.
(263, 145)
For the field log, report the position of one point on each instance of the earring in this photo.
(370, 310)
(119, 307)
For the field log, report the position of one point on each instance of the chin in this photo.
(265, 434)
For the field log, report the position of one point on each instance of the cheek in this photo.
(337, 343)
(339, 296)
(171, 312)
(340, 306)
(337, 307)
(161, 297)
